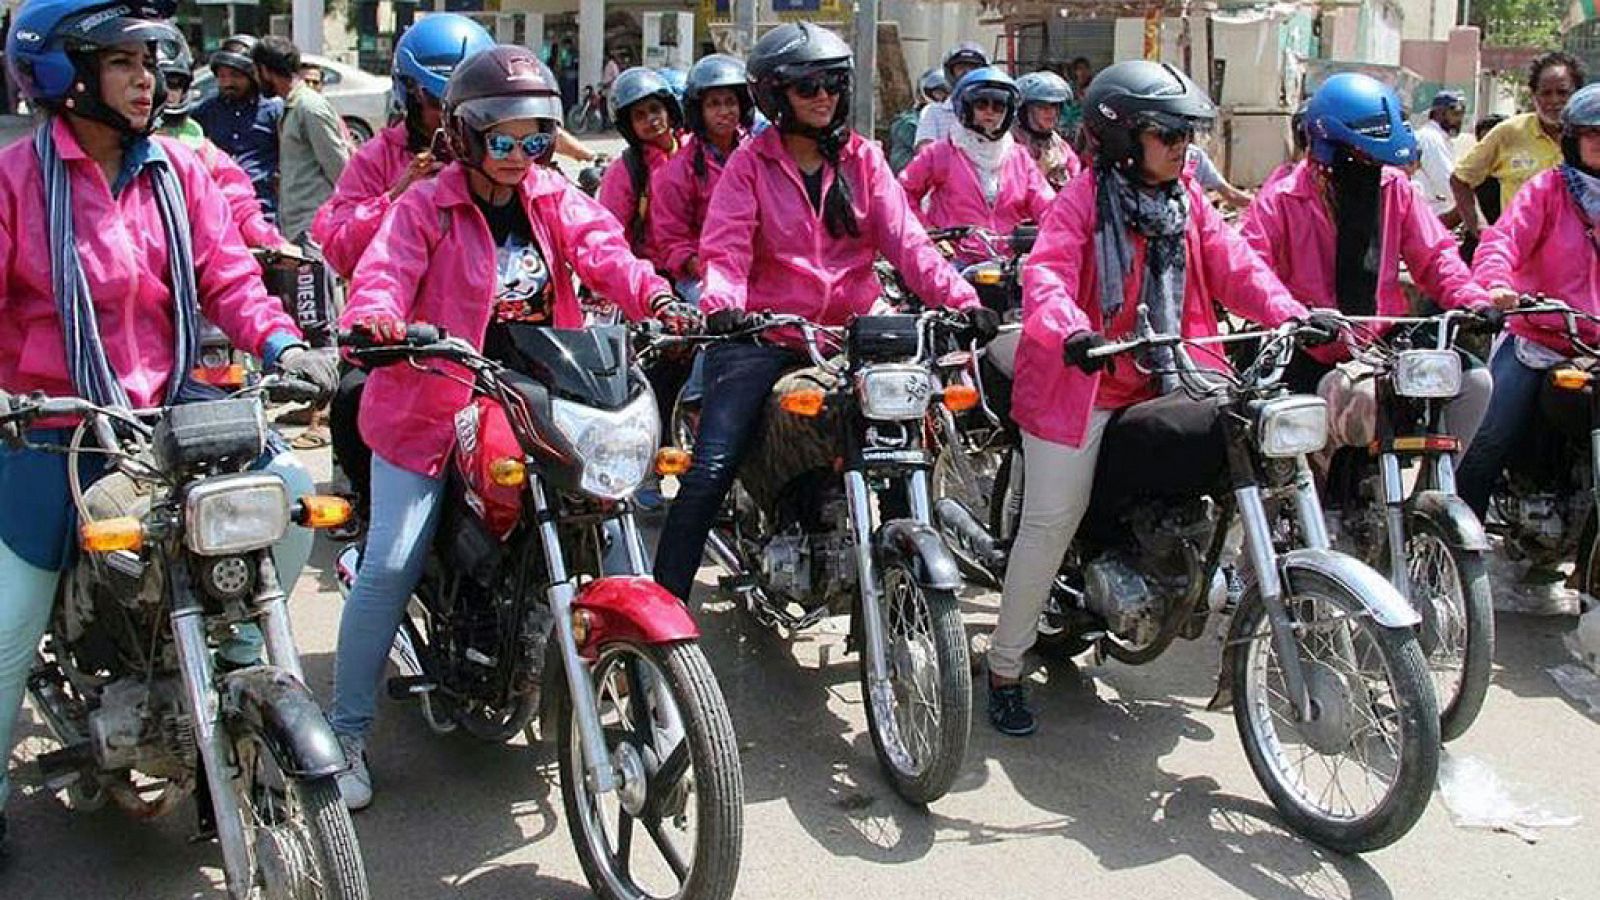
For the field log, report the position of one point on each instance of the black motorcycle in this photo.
(176, 536)
(1428, 540)
(1322, 665)
(802, 538)
(536, 603)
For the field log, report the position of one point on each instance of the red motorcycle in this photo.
(537, 603)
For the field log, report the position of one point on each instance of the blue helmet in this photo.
(635, 86)
(676, 79)
(50, 41)
(932, 80)
(1362, 114)
(716, 71)
(1041, 89)
(1582, 111)
(431, 49)
(987, 83)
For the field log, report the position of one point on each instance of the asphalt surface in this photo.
(1129, 789)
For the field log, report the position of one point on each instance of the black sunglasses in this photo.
(834, 83)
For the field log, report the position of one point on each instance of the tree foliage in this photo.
(1520, 23)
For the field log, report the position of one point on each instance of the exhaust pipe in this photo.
(958, 523)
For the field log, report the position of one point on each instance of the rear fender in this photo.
(278, 707)
(1454, 519)
(921, 546)
(1377, 596)
(633, 609)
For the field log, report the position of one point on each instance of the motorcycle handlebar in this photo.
(418, 334)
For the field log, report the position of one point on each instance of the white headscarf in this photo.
(987, 156)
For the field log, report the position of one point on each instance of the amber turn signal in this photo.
(111, 535)
(806, 402)
(508, 471)
(960, 397)
(318, 511)
(1571, 379)
(673, 461)
(987, 276)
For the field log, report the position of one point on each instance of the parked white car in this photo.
(360, 98)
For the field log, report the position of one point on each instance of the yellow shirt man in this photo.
(1513, 151)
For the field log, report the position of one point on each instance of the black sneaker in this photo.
(1008, 710)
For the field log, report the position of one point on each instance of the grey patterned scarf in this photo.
(87, 363)
(1161, 214)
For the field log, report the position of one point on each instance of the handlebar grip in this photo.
(418, 334)
(421, 333)
(1023, 239)
(293, 390)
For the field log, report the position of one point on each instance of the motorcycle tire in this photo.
(326, 836)
(711, 871)
(1459, 702)
(944, 643)
(1410, 704)
(575, 121)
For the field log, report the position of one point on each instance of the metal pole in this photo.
(306, 26)
(744, 26)
(866, 80)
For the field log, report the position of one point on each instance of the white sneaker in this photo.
(355, 783)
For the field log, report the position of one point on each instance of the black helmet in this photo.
(634, 86)
(716, 71)
(501, 84)
(176, 65)
(789, 53)
(235, 54)
(965, 53)
(1134, 96)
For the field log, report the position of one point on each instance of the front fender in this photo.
(633, 609)
(1456, 521)
(278, 707)
(920, 545)
(1377, 595)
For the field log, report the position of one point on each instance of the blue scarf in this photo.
(87, 364)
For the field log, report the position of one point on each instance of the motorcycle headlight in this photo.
(1292, 426)
(1427, 374)
(235, 514)
(894, 391)
(615, 448)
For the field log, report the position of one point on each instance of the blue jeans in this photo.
(689, 291)
(405, 513)
(739, 377)
(1512, 408)
(27, 592)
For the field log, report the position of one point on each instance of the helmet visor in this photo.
(486, 112)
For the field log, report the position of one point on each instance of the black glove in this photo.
(982, 322)
(1323, 328)
(676, 316)
(318, 368)
(1490, 319)
(1075, 351)
(728, 320)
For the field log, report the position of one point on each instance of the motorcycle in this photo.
(536, 603)
(1428, 540)
(1321, 663)
(800, 540)
(301, 282)
(1544, 503)
(175, 538)
(588, 115)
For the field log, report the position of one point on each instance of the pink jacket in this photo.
(679, 198)
(1290, 226)
(634, 212)
(943, 176)
(240, 193)
(766, 249)
(1540, 245)
(124, 254)
(1061, 296)
(433, 260)
(347, 222)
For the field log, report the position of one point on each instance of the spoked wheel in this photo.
(968, 476)
(674, 826)
(1358, 774)
(1450, 590)
(302, 844)
(921, 720)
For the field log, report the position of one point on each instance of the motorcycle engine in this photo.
(786, 564)
(143, 726)
(1117, 592)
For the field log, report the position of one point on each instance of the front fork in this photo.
(875, 646)
(599, 771)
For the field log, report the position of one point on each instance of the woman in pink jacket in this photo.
(648, 116)
(113, 244)
(978, 175)
(496, 237)
(796, 222)
(1336, 230)
(1131, 232)
(1544, 244)
(719, 111)
(1044, 96)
